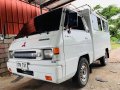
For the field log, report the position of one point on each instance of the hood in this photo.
(37, 41)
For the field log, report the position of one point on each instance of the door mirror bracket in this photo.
(69, 31)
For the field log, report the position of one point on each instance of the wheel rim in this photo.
(84, 73)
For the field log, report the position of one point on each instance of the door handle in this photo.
(67, 36)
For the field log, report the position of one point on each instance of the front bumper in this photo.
(39, 72)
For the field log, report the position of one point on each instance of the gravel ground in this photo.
(108, 79)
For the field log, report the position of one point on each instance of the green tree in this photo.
(97, 7)
(110, 11)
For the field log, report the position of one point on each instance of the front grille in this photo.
(25, 54)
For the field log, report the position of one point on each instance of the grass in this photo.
(115, 45)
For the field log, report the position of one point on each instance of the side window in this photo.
(103, 23)
(94, 22)
(70, 18)
(99, 24)
(105, 26)
(80, 24)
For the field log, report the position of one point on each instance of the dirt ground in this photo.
(109, 77)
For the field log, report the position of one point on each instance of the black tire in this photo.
(82, 75)
(104, 60)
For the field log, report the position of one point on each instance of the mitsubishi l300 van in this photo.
(60, 45)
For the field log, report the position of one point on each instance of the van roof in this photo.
(95, 13)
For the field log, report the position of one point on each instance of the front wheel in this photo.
(82, 74)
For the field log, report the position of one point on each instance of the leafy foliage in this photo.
(97, 7)
(114, 39)
(110, 11)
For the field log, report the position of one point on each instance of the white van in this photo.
(60, 45)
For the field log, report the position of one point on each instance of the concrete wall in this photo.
(4, 45)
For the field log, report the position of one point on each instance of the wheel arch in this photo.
(85, 56)
(75, 77)
(107, 50)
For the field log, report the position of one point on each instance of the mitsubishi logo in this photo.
(24, 44)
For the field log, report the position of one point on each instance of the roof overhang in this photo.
(51, 4)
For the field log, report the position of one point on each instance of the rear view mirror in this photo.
(72, 20)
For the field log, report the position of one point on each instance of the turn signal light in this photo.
(48, 78)
(56, 50)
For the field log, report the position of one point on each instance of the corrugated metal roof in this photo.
(49, 3)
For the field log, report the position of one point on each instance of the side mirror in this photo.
(72, 20)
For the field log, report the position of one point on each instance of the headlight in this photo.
(47, 54)
(11, 54)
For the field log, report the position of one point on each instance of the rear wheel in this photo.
(104, 60)
(82, 75)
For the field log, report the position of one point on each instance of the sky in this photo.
(92, 3)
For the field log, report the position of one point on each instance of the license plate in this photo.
(22, 65)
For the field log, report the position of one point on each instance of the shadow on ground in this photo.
(96, 65)
(41, 85)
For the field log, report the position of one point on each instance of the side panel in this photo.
(101, 39)
(76, 44)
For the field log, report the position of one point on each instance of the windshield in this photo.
(43, 23)
(48, 22)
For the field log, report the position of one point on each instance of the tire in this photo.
(82, 75)
(104, 60)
